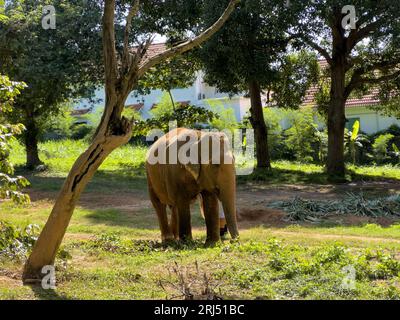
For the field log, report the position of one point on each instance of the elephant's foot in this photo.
(211, 243)
(168, 238)
(169, 243)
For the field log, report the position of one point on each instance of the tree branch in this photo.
(133, 11)
(357, 79)
(359, 34)
(386, 77)
(323, 52)
(188, 45)
(109, 50)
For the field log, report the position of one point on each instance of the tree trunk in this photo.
(336, 124)
(31, 144)
(45, 249)
(259, 126)
(172, 100)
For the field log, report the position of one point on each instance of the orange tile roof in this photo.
(153, 50)
(136, 107)
(80, 112)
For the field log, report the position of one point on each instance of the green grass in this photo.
(114, 253)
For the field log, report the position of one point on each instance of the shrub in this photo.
(380, 147)
(164, 113)
(225, 119)
(15, 242)
(302, 136)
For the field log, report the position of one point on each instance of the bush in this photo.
(15, 243)
(164, 113)
(380, 147)
(302, 138)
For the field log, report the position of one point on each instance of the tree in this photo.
(10, 187)
(361, 49)
(56, 65)
(122, 73)
(247, 56)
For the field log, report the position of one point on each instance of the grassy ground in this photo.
(112, 248)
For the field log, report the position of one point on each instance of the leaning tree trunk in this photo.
(46, 247)
(31, 144)
(336, 124)
(259, 126)
(121, 78)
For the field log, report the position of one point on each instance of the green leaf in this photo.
(356, 130)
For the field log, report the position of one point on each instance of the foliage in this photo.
(354, 141)
(302, 134)
(356, 204)
(164, 114)
(395, 153)
(60, 125)
(296, 74)
(15, 243)
(380, 147)
(246, 47)
(10, 187)
(57, 65)
(225, 118)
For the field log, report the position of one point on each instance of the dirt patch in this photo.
(248, 218)
(9, 282)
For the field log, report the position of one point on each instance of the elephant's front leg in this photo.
(161, 210)
(211, 214)
(184, 221)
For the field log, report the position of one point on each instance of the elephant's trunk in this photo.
(227, 196)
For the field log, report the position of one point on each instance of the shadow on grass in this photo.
(104, 181)
(50, 294)
(141, 219)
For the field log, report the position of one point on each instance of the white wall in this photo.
(370, 121)
(197, 94)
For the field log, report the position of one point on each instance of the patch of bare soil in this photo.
(248, 218)
(10, 279)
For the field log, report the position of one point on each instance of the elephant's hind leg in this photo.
(174, 222)
(211, 214)
(161, 210)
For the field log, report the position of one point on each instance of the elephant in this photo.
(185, 165)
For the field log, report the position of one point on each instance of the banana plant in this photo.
(395, 152)
(354, 140)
